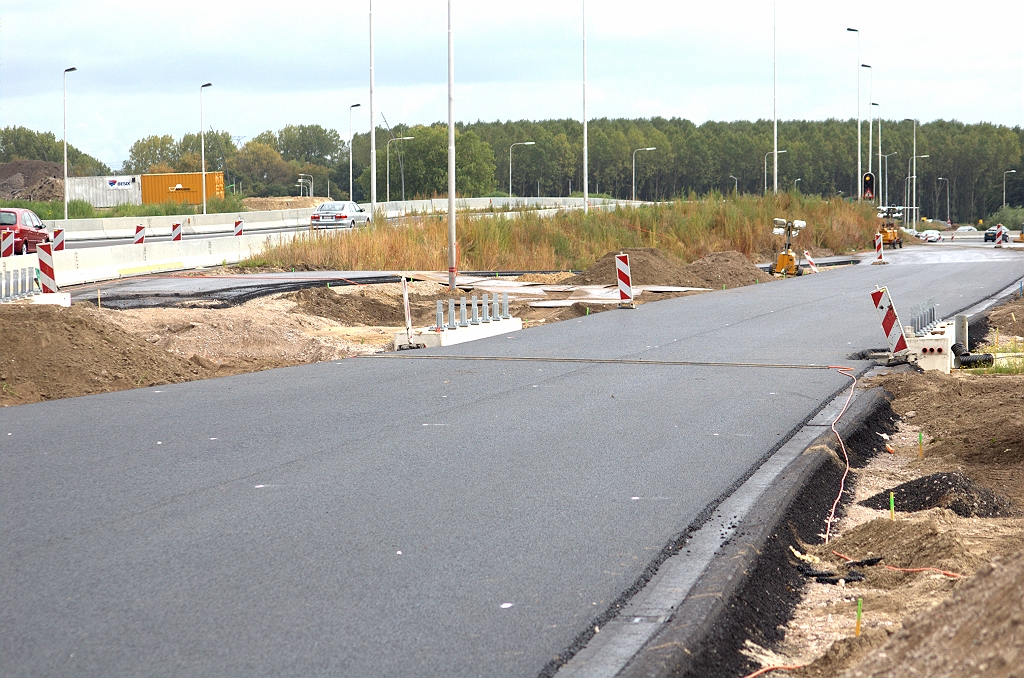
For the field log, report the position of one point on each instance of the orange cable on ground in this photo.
(768, 669)
(954, 575)
(848, 371)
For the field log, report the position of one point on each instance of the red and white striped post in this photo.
(58, 240)
(810, 262)
(1000, 234)
(140, 235)
(176, 232)
(879, 259)
(625, 280)
(239, 225)
(45, 252)
(890, 322)
(7, 244)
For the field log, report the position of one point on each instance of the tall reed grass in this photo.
(686, 230)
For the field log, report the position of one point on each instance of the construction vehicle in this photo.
(891, 234)
(786, 263)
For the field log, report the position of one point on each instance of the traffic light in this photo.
(868, 188)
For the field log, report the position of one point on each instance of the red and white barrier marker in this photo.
(810, 262)
(58, 240)
(176, 232)
(45, 252)
(140, 235)
(1000, 234)
(239, 224)
(624, 278)
(878, 247)
(7, 244)
(890, 322)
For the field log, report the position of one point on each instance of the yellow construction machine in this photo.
(786, 263)
(891, 234)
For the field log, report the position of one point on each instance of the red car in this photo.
(28, 228)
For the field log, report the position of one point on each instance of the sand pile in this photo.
(31, 180)
(650, 266)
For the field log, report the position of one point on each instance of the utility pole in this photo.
(452, 262)
(373, 130)
(775, 96)
(860, 193)
(586, 172)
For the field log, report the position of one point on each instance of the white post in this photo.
(586, 171)
(1013, 171)
(871, 118)
(914, 181)
(350, 141)
(67, 71)
(860, 192)
(452, 262)
(373, 130)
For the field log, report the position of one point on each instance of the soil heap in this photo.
(649, 266)
(31, 180)
(954, 491)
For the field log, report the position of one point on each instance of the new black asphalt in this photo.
(406, 517)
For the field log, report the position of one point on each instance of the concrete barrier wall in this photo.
(202, 224)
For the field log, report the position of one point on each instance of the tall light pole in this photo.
(72, 70)
(948, 222)
(452, 261)
(794, 183)
(518, 143)
(775, 108)
(1013, 171)
(859, 169)
(650, 148)
(202, 140)
(373, 130)
(351, 140)
(871, 120)
(735, 184)
(586, 169)
(878, 193)
(777, 153)
(913, 184)
(886, 156)
(310, 182)
(388, 148)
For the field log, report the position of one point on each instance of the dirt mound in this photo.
(843, 653)
(933, 542)
(283, 203)
(649, 266)
(979, 631)
(349, 308)
(31, 180)
(545, 278)
(52, 352)
(1008, 319)
(954, 491)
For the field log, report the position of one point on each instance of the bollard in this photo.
(451, 315)
(475, 318)
(176, 232)
(486, 311)
(440, 316)
(462, 312)
(58, 240)
(4, 286)
(960, 329)
(496, 315)
(504, 306)
(46, 274)
(140, 235)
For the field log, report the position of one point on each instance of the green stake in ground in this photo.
(859, 610)
(892, 506)
(920, 444)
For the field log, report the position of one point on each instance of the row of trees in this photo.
(822, 155)
(21, 143)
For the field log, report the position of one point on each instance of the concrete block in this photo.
(433, 339)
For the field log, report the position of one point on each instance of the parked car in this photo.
(990, 235)
(967, 229)
(931, 235)
(28, 228)
(338, 214)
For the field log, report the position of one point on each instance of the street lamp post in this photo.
(794, 183)
(859, 194)
(388, 148)
(735, 184)
(453, 263)
(777, 153)
(878, 194)
(586, 168)
(350, 142)
(373, 130)
(871, 120)
(1013, 171)
(649, 148)
(913, 184)
(202, 140)
(518, 143)
(948, 222)
(886, 156)
(72, 70)
(310, 182)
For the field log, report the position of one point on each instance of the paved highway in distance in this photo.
(405, 517)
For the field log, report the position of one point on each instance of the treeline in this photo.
(820, 158)
(21, 143)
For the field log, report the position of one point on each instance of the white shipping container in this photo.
(106, 191)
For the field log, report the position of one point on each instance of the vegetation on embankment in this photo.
(80, 209)
(686, 230)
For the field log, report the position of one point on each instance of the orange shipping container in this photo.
(184, 187)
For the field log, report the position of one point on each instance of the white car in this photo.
(931, 235)
(967, 229)
(338, 215)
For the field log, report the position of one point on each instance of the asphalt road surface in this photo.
(408, 517)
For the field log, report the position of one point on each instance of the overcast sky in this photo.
(140, 64)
